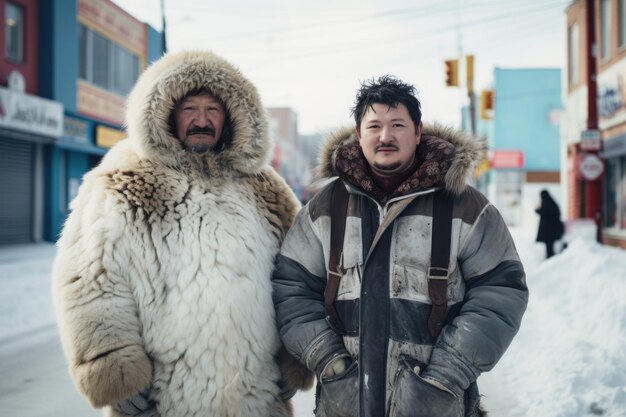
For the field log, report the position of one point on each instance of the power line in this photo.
(360, 45)
(400, 13)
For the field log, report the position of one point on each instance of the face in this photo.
(388, 138)
(199, 122)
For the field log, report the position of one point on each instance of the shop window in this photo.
(622, 198)
(106, 64)
(621, 14)
(612, 193)
(100, 65)
(13, 32)
(605, 29)
(572, 56)
(82, 56)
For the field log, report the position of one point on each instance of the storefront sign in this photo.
(113, 23)
(30, 113)
(506, 159)
(100, 104)
(590, 166)
(107, 137)
(75, 129)
(612, 95)
(590, 140)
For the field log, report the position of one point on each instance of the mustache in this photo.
(208, 130)
(394, 147)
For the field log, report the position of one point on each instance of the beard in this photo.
(387, 167)
(198, 148)
(202, 147)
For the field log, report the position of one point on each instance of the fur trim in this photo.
(469, 151)
(328, 151)
(275, 201)
(294, 373)
(168, 80)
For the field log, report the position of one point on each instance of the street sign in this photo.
(590, 166)
(506, 158)
(590, 140)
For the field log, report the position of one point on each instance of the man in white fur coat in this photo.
(162, 279)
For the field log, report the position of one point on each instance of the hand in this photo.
(286, 392)
(335, 367)
(135, 404)
(439, 385)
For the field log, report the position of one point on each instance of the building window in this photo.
(13, 32)
(106, 64)
(615, 193)
(611, 218)
(83, 60)
(573, 51)
(621, 13)
(622, 197)
(605, 29)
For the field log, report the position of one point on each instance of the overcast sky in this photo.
(312, 55)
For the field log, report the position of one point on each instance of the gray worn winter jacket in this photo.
(398, 368)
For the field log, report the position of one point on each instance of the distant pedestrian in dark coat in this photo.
(550, 225)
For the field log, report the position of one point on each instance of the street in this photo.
(35, 381)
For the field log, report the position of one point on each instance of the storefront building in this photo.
(91, 54)
(610, 21)
(66, 67)
(28, 124)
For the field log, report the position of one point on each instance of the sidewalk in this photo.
(35, 381)
(25, 291)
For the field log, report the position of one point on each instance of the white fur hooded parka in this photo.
(162, 278)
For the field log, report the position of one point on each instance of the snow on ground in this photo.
(25, 292)
(569, 359)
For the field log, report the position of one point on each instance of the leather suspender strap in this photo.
(338, 214)
(439, 261)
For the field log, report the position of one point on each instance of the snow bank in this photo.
(569, 358)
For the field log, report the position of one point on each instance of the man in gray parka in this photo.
(378, 353)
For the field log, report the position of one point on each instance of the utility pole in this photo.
(593, 188)
(469, 72)
(163, 21)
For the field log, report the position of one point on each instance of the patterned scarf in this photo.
(434, 157)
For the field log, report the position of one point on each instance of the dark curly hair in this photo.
(387, 90)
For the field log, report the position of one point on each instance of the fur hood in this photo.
(169, 79)
(468, 152)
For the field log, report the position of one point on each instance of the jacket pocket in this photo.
(339, 395)
(413, 396)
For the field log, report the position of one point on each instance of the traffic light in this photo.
(469, 73)
(486, 105)
(452, 72)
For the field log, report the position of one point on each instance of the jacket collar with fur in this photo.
(447, 158)
(169, 79)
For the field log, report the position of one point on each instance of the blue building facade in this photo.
(91, 54)
(527, 104)
(524, 141)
